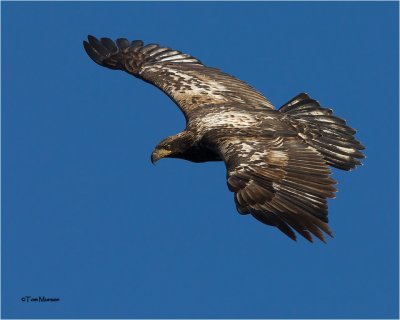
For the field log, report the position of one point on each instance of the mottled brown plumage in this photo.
(277, 160)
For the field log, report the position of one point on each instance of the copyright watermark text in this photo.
(39, 299)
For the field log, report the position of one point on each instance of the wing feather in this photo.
(188, 82)
(273, 189)
(122, 43)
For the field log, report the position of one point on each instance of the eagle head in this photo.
(173, 147)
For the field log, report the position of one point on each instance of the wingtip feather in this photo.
(92, 52)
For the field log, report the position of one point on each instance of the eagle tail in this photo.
(330, 135)
(131, 56)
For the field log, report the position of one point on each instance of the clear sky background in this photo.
(88, 219)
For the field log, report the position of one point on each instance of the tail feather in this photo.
(329, 134)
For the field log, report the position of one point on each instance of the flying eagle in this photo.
(277, 161)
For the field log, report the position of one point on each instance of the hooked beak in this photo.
(159, 154)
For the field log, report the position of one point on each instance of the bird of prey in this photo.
(277, 161)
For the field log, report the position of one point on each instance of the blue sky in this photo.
(88, 219)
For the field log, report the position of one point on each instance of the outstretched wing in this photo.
(281, 181)
(182, 77)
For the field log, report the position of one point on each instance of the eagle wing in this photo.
(188, 82)
(281, 181)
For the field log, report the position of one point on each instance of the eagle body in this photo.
(277, 161)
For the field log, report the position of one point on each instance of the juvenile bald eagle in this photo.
(277, 161)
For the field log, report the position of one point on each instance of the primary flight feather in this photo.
(277, 161)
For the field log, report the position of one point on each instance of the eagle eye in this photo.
(165, 146)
